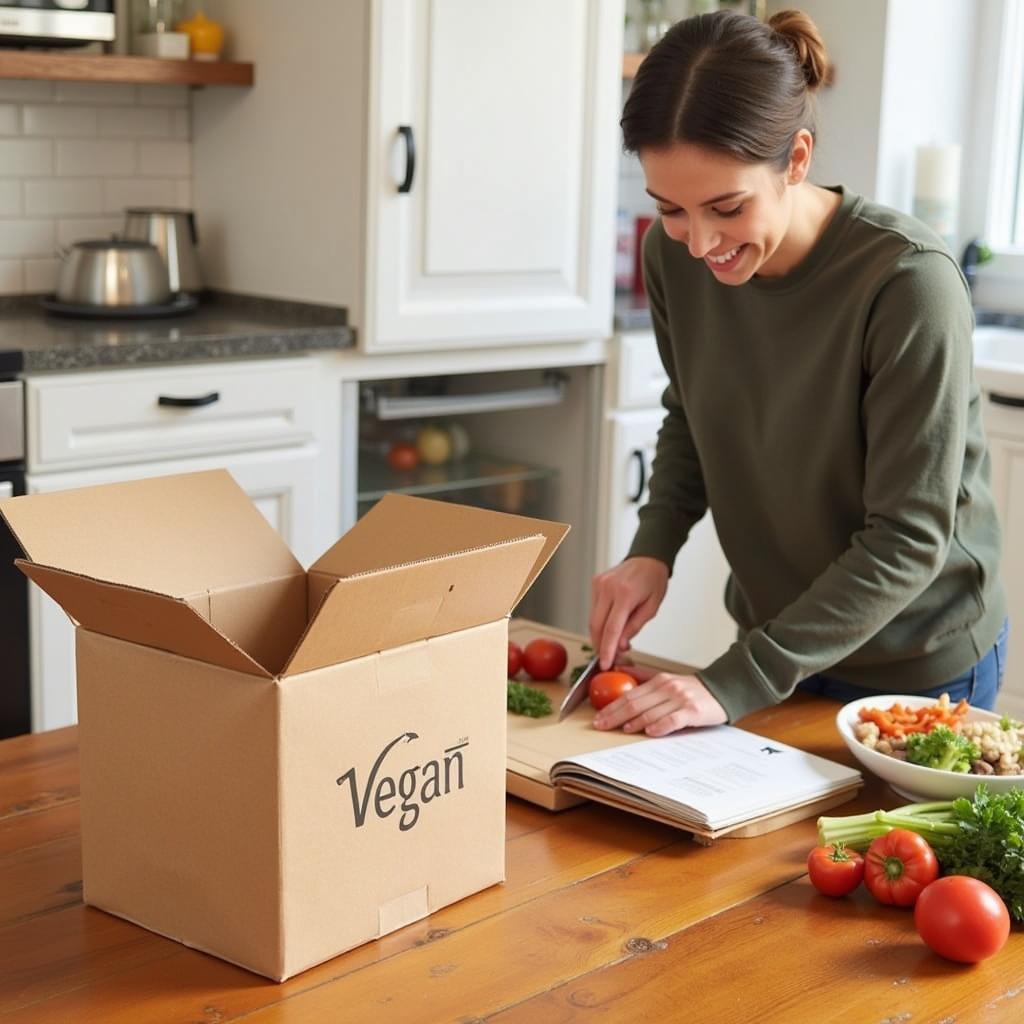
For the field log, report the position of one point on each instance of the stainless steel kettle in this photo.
(173, 232)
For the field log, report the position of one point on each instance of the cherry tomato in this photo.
(962, 919)
(608, 686)
(544, 659)
(898, 866)
(515, 659)
(403, 456)
(835, 870)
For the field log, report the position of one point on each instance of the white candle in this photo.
(937, 173)
(937, 189)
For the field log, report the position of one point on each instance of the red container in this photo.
(642, 224)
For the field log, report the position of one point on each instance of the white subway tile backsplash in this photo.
(24, 90)
(170, 159)
(10, 119)
(95, 157)
(71, 230)
(49, 119)
(11, 277)
(23, 157)
(73, 156)
(135, 122)
(106, 93)
(10, 197)
(51, 197)
(163, 95)
(21, 238)
(120, 193)
(41, 275)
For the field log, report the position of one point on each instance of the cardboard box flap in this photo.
(175, 535)
(375, 611)
(140, 616)
(402, 529)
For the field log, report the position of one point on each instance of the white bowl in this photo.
(914, 781)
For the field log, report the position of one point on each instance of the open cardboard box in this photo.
(278, 765)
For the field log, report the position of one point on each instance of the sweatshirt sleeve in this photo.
(917, 365)
(676, 496)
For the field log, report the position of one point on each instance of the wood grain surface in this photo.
(604, 917)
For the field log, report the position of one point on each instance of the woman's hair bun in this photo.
(803, 36)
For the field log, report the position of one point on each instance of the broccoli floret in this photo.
(942, 748)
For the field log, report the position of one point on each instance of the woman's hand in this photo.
(622, 601)
(661, 704)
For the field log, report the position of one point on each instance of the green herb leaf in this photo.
(526, 700)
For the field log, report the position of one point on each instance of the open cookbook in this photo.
(711, 782)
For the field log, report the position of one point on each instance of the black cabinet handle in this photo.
(1011, 400)
(638, 454)
(410, 157)
(189, 403)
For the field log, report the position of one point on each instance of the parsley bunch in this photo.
(525, 700)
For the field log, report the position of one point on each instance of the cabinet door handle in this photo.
(1011, 400)
(637, 453)
(189, 403)
(410, 157)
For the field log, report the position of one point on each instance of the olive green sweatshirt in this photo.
(830, 420)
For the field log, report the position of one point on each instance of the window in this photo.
(1005, 218)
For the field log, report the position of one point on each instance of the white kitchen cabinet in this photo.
(692, 625)
(1005, 428)
(109, 417)
(282, 485)
(456, 161)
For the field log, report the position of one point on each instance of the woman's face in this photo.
(732, 215)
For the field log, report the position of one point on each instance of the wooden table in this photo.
(604, 917)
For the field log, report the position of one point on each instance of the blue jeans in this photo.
(980, 684)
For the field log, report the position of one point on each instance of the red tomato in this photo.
(515, 659)
(898, 866)
(835, 870)
(962, 919)
(403, 456)
(608, 686)
(544, 659)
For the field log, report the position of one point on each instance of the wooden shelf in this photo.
(100, 67)
(630, 63)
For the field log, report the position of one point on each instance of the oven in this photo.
(56, 22)
(15, 703)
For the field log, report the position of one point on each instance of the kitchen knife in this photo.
(579, 690)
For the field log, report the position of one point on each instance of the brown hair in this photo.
(729, 82)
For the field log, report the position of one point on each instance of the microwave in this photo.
(56, 22)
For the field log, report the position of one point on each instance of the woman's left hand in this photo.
(663, 703)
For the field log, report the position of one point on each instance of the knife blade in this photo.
(579, 690)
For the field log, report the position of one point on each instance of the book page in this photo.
(715, 776)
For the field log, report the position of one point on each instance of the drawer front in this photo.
(95, 419)
(641, 377)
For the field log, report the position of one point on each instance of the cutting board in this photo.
(535, 744)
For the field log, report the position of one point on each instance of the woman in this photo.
(821, 403)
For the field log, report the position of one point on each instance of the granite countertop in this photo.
(224, 326)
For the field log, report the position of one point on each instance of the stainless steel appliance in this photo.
(15, 702)
(174, 233)
(113, 272)
(56, 22)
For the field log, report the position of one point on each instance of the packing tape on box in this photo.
(405, 666)
(402, 910)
